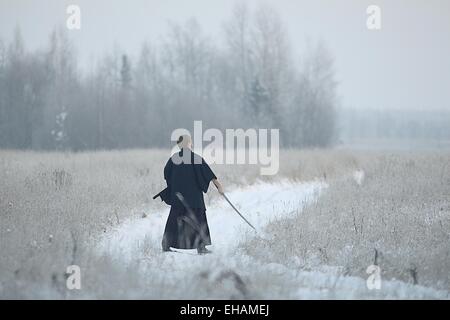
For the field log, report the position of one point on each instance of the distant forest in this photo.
(393, 124)
(248, 78)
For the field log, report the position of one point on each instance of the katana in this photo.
(240, 214)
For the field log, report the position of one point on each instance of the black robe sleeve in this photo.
(168, 171)
(204, 175)
(166, 193)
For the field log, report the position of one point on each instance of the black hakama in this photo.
(187, 175)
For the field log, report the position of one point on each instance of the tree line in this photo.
(394, 124)
(249, 78)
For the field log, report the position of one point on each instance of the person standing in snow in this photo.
(187, 176)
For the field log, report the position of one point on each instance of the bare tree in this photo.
(238, 40)
(315, 101)
(123, 102)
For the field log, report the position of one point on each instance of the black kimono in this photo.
(187, 174)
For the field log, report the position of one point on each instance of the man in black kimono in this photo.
(188, 177)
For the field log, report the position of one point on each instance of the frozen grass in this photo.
(394, 212)
(54, 206)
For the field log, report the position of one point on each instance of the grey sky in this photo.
(404, 65)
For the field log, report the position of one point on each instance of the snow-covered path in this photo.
(138, 241)
(260, 203)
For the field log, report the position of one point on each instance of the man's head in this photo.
(184, 141)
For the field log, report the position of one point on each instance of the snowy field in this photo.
(230, 268)
(319, 223)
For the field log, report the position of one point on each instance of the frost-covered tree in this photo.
(313, 114)
(125, 72)
(258, 102)
(126, 101)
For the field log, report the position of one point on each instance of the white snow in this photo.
(139, 239)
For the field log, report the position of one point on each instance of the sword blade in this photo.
(237, 211)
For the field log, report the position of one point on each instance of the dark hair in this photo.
(180, 139)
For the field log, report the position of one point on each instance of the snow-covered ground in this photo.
(232, 272)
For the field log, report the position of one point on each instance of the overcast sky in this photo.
(406, 64)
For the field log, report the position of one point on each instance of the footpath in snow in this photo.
(139, 239)
(259, 203)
